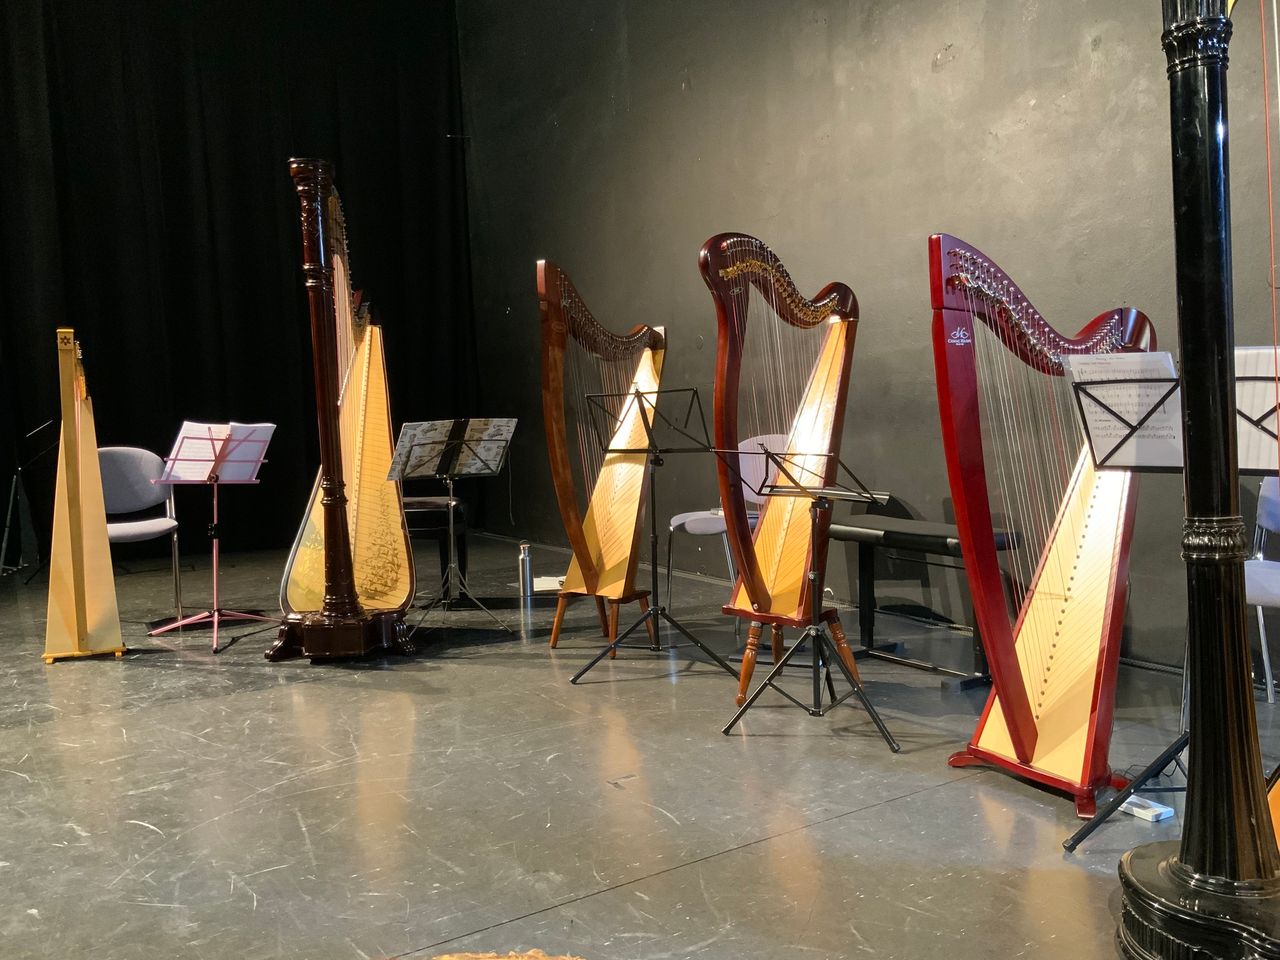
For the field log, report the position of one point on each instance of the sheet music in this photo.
(233, 451)
(480, 447)
(1256, 408)
(488, 440)
(242, 451)
(1158, 442)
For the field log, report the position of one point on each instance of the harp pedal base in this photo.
(1164, 915)
(325, 636)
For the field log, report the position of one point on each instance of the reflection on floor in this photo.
(469, 799)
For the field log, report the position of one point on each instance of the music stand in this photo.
(683, 440)
(1132, 421)
(445, 450)
(215, 454)
(823, 648)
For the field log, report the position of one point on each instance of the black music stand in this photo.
(684, 439)
(823, 647)
(445, 450)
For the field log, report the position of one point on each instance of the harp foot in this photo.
(748, 662)
(1087, 806)
(562, 605)
(965, 759)
(842, 645)
(288, 643)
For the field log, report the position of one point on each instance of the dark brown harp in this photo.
(589, 379)
(793, 354)
(349, 577)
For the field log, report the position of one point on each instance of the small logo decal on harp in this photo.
(960, 337)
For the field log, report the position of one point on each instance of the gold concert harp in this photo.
(83, 619)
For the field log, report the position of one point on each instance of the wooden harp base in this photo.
(1085, 795)
(324, 636)
(77, 654)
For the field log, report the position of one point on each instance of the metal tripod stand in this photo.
(824, 654)
(656, 614)
(453, 585)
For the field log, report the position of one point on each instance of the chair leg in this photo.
(748, 662)
(671, 535)
(561, 606)
(1266, 658)
(614, 606)
(603, 615)
(775, 641)
(867, 594)
(842, 646)
(177, 577)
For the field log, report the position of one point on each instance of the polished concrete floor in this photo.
(177, 804)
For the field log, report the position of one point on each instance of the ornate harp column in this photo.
(1217, 893)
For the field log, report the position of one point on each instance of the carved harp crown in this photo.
(589, 379)
(1015, 454)
(795, 354)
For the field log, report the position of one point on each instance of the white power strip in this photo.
(1146, 809)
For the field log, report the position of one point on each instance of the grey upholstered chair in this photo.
(127, 491)
(756, 468)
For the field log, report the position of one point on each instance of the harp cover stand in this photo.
(824, 654)
(83, 620)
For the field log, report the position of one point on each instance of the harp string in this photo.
(776, 361)
(1032, 446)
(597, 394)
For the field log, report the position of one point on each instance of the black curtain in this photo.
(145, 201)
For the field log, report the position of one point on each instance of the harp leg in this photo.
(842, 646)
(775, 641)
(749, 662)
(604, 617)
(562, 605)
(1087, 806)
(648, 624)
(614, 607)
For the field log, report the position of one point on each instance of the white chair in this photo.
(1262, 577)
(128, 490)
(756, 470)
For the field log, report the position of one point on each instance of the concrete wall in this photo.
(614, 137)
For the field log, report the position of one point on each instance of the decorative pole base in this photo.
(1167, 915)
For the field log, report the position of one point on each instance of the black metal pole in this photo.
(1217, 893)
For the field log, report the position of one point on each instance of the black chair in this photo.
(428, 519)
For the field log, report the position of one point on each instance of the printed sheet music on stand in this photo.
(446, 450)
(665, 433)
(216, 454)
(1130, 408)
(796, 474)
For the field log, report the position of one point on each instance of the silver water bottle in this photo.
(525, 571)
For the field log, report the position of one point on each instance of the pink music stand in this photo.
(199, 457)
